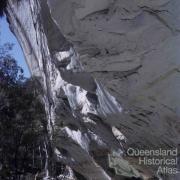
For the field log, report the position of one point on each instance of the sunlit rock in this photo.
(109, 70)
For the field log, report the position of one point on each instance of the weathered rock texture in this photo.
(110, 76)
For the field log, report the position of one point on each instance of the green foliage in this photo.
(21, 119)
(10, 72)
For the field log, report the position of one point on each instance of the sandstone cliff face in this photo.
(109, 70)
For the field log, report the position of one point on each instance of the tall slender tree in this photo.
(21, 117)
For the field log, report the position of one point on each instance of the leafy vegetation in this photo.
(21, 121)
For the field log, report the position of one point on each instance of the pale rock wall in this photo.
(108, 68)
(132, 47)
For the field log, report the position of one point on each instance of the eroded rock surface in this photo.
(110, 73)
(132, 47)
